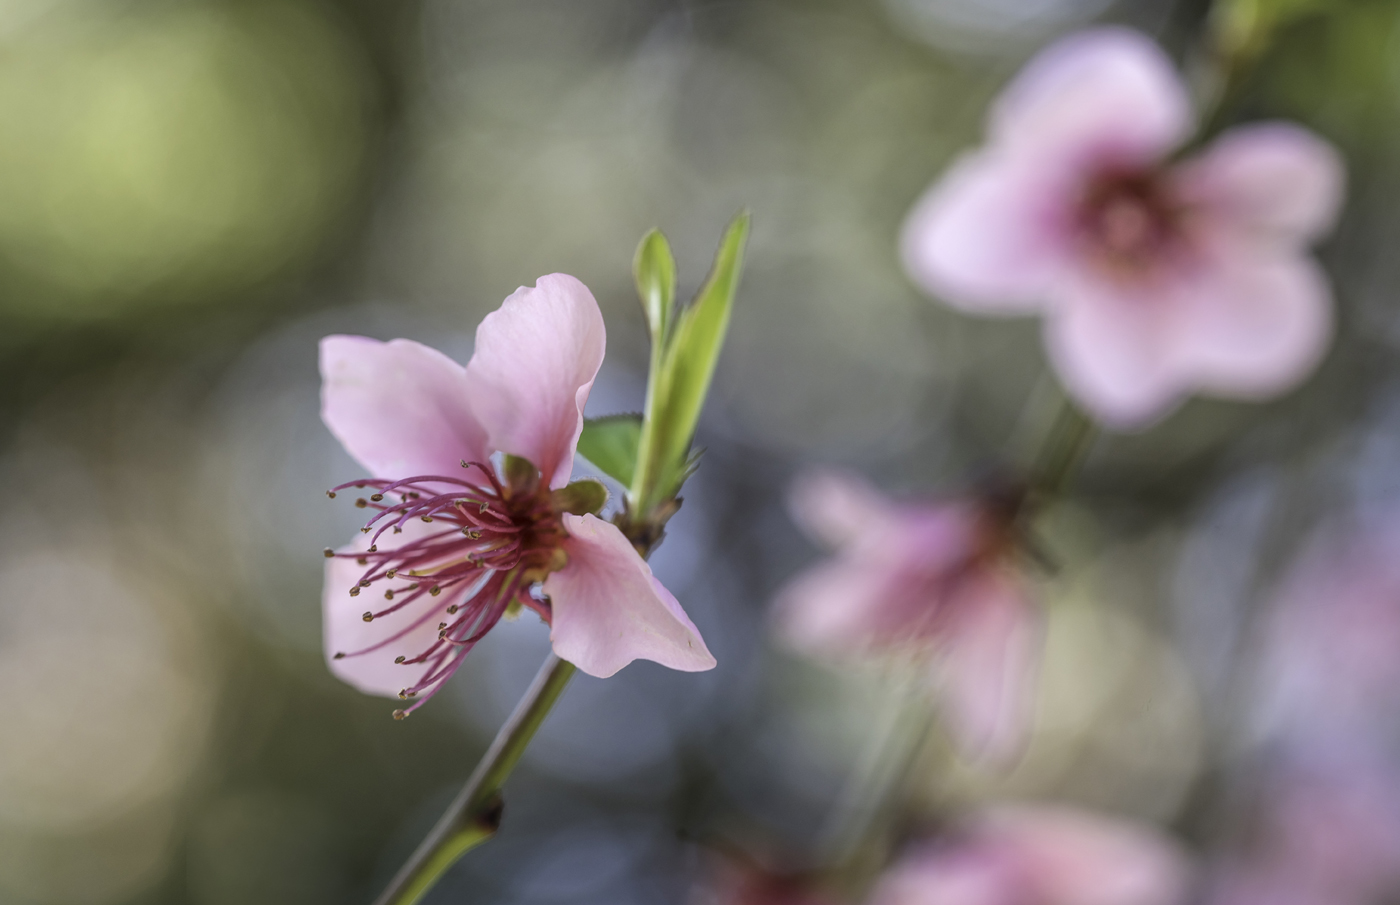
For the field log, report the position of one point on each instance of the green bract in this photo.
(685, 346)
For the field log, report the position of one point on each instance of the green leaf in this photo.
(654, 269)
(688, 365)
(611, 444)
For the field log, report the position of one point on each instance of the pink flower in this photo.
(935, 580)
(1040, 856)
(1156, 278)
(454, 545)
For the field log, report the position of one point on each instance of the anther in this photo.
(452, 610)
(435, 590)
(485, 505)
(364, 582)
(464, 464)
(365, 530)
(442, 625)
(391, 573)
(330, 493)
(362, 560)
(355, 591)
(376, 497)
(472, 533)
(400, 714)
(397, 530)
(427, 518)
(368, 616)
(361, 503)
(389, 594)
(340, 655)
(374, 548)
(403, 693)
(330, 554)
(399, 659)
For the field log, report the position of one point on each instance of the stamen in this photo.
(368, 616)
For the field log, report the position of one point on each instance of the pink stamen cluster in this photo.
(495, 544)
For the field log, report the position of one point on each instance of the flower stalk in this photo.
(475, 814)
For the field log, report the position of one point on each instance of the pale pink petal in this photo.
(1252, 326)
(1111, 348)
(1070, 857)
(990, 234)
(987, 664)
(609, 610)
(943, 874)
(833, 608)
(535, 360)
(345, 631)
(1106, 95)
(1274, 181)
(836, 507)
(400, 408)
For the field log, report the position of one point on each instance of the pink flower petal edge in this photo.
(535, 361)
(398, 407)
(609, 610)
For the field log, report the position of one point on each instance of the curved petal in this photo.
(829, 610)
(988, 235)
(1109, 94)
(1269, 180)
(400, 408)
(609, 610)
(835, 507)
(534, 364)
(992, 644)
(345, 631)
(1108, 345)
(1250, 326)
(1069, 857)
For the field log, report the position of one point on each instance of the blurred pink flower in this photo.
(936, 580)
(1156, 278)
(1040, 856)
(463, 545)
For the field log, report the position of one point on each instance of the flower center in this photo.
(1130, 221)
(488, 547)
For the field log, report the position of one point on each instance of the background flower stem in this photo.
(475, 814)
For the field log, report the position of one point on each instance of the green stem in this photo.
(1066, 443)
(476, 812)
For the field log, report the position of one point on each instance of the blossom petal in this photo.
(830, 610)
(1109, 94)
(1110, 347)
(1253, 326)
(535, 360)
(1069, 857)
(1272, 180)
(836, 507)
(609, 610)
(987, 237)
(986, 669)
(400, 408)
(345, 631)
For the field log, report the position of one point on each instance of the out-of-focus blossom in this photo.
(1156, 278)
(468, 541)
(1040, 856)
(938, 581)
